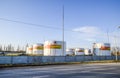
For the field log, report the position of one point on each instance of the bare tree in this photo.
(0, 47)
(115, 49)
(18, 48)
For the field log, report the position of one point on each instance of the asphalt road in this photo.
(109, 70)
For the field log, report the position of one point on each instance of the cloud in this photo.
(88, 33)
(87, 30)
(85, 36)
(90, 39)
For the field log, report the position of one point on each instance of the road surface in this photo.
(108, 70)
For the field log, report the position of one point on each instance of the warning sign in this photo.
(104, 48)
(30, 48)
(39, 47)
(80, 50)
(53, 46)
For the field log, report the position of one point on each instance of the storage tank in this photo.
(88, 51)
(79, 51)
(70, 51)
(102, 49)
(38, 49)
(54, 48)
(29, 50)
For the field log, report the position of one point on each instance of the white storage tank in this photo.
(29, 50)
(102, 49)
(79, 51)
(54, 48)
(38, 49)
(70, 51)
(88, 51)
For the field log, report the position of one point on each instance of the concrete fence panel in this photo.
(34, 59)
(70, 59)
(88, 58)
(118, 57)
(5, 59)
(109, 58)
(59, 59)
(95, 58)
(48, 59)
(113, 57)
(79, 58)
(102, 58)
(19, 59)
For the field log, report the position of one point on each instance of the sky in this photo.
(85, 21)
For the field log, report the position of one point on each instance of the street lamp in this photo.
(116, 58)
(116, 46)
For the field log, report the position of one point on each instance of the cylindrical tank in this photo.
(88, 51)
(38, 49)
(79, 51)
(29, 50)
(70, 51)
(102, 49)
(54, 48)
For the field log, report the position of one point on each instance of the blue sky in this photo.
(89, 19)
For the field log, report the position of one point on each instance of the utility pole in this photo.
(116, 58)
(116, 46)
(63, 28)
(108, 35)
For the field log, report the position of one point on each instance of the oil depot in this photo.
(70, 52)
(101, 49)
(54, 48)
(58, 48)
(79, 51)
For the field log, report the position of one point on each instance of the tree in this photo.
(18, 48)
(0, 47)
(115, 49)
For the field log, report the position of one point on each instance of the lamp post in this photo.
(63, 30)
(118, 42)
(116, 58)
(116, 46)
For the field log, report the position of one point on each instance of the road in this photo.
(108, 70)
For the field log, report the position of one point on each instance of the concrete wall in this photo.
(51, 59)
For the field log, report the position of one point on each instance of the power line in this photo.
(37, 25)
(32, 24)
